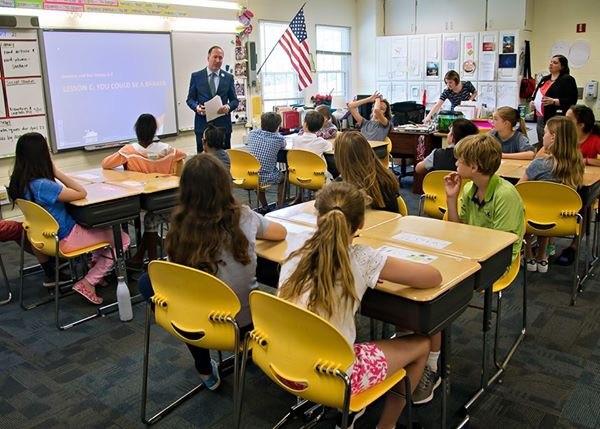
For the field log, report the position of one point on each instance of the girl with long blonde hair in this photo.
(329, 276)
(358, 165)
(562, 162)
(515, 143)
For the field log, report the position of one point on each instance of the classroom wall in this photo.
(556, 20)
(369, 25)
(332, 12)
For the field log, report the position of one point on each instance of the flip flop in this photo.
(85, 291)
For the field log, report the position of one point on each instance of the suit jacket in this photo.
(565, 89)
(199, 93)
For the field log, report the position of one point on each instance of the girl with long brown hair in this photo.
(211, 231)
(358, 165)
(562, 162)
(329, 276)
(515, 143)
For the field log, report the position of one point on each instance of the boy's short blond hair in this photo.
(482, 151)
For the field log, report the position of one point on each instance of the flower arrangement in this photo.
(319, 99)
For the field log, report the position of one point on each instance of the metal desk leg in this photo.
(119, 255)
(445, 372)
(487, 325)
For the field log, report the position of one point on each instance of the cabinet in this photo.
(400, 17)
(434, 16)
(503, 14)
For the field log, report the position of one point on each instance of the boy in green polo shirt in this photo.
(487, 201)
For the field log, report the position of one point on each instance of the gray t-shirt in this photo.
(242, 278)
(373, 130)
(541, 169)
(516, 143)
(222, 156)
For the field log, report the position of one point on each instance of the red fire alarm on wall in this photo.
(581, 28)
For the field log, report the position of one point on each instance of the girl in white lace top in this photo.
(329, 276)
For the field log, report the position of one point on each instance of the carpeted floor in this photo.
(90, 375)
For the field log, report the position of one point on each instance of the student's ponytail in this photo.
(325, 262)
(522, 126)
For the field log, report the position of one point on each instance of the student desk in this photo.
(157, 194)
(306, 214)
(490, 248)
(98, 175)
(424, 311)
(404, 145)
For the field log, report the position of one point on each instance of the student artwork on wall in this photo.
(432, 92)
(415, 57)
(399, 57)
(486, 94)
(414, 91)
(469, 53)
(450, 52)
(508, 56)
(398, 92)
(488, 42)
(433, 53)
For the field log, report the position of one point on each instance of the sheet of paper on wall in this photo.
(433, 92)
(487, 66)
(486, 94)
(212, 106)
(433, 47)
(451, 49)
(398, 67)
(400, 47)
(507, 94)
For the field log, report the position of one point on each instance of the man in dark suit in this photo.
(204, 85)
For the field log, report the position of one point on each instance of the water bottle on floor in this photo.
(124, 301)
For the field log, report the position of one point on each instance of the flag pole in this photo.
(275, 45)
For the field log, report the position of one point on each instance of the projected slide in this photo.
(100, 82)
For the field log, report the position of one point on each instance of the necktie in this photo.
(211, 84)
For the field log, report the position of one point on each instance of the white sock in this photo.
(432, 361)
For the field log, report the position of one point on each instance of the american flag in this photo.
(293, 42)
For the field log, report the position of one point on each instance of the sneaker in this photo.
(551, 249)
(532, 265)
(87, 292)
(212, 381)
(352, 418)
(424, 391)
(542, 266)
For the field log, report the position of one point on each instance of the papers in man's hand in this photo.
(212, 106)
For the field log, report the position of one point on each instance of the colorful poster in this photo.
(30, 4)
(7, 3)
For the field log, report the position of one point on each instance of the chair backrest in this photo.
(40, 226)
(434, 194)
(193, 306)
(298, 350)
(551, 209)
(402, 207)
(306, 169)
(244, 169)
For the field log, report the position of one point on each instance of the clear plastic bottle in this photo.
(124, 300)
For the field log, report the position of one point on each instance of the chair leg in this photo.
(21, 278)
(242, 379)
(577, 287)
(408, 397)
(171, 406)
(6, 283)
(421, 204)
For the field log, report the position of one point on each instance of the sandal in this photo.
(567, 256)
(87, 292)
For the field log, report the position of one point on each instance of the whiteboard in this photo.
(190, 51)
(22, 94)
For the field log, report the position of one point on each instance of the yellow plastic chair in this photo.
(433, 201)
(195, 308)
(552, 210)
(42, 232)
(244, 172)
(306, 169)
(402, 207)
(310, 362)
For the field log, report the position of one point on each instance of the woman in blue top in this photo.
(36, 178)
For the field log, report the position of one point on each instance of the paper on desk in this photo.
(422, 240)
(537, 101)
(408, 255)
(310, 218)
(86, 176)
(212, 106)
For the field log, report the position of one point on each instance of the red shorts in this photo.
(370, 367)
(10, 231)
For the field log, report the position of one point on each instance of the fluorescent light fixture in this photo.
(115, 21)
(196, 3)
